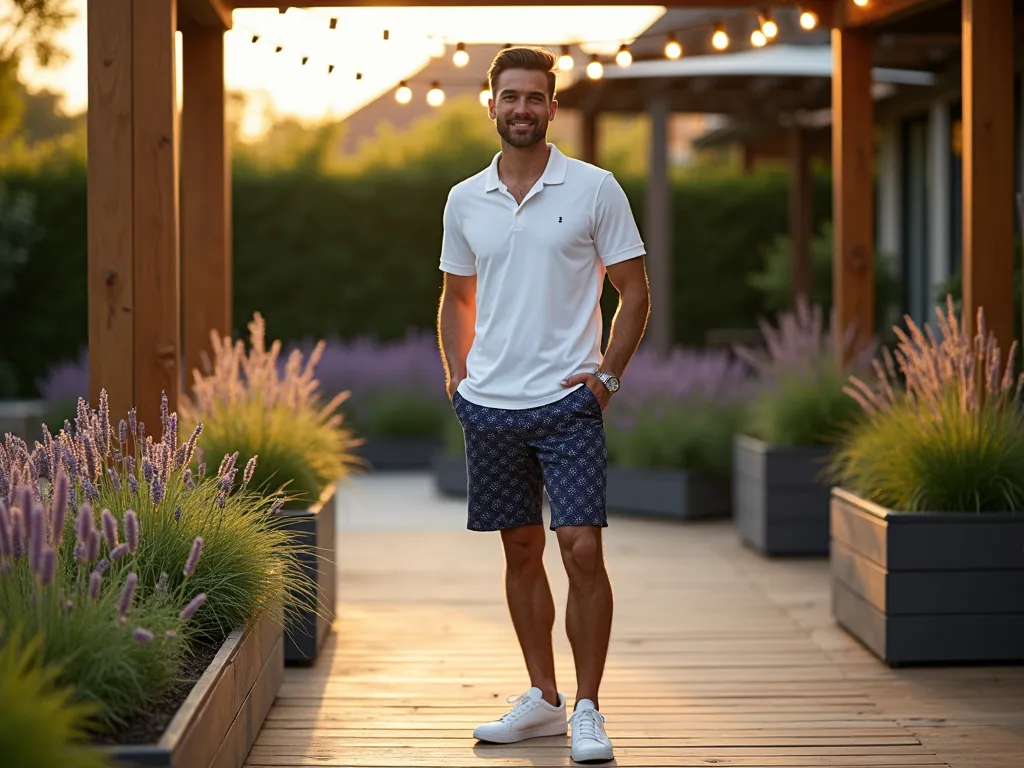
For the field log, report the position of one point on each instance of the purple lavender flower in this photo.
(190, 446)
(95, 583)
(202, 469)
(115, 478)
(156, 490)
(147, 469)
(161, 583)
(142, 635)
(187, 479)
(221, 497)
(131, 530)
(102, 565)
(37, 539)
(92, 546)
(109, 529)
(61, 489)
(133, 484)
(91, 491)
(226, 481)
(193, 557)
(6, 544)
(132, 421)
(20, 528)
(177, 513)
(119, 551)
(250, 469)
(189, 610)
(164, 408)
(124, 603)
(26, 500)
(85, 523)
(103, 442)
(122, 431)
(276, 506)
(47, 566)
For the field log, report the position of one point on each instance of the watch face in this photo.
(611, 383)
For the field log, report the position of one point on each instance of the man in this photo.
(527, 243)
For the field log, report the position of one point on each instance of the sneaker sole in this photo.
(533, 733)
(595, 757)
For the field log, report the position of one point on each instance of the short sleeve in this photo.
(615, 232)
(456, 256)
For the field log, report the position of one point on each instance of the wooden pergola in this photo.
(159, 204)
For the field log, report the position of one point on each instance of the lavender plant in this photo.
(248, 406)
(944, 427)
(41, 723)
(799, 398)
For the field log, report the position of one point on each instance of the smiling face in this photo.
(522, 107)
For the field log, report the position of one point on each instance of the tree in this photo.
(28, 29)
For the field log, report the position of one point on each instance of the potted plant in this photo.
(669, 436)
(799, 409)
(157, 590)
(249, 404)
(927, 530)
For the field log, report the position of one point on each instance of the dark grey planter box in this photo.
(928, 587)
(309, 618)
(780, 506)
(24, 419)
(385, 454)
(450, 474)
(217, 723)
(679, 494)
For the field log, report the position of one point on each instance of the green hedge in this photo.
(322, 256)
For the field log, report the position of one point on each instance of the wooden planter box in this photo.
(309, 618)
(780, 506)
(398, 453)
(928, 587)
(217, 723)
(679, 494)
(450, 474)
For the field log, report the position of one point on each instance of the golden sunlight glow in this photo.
(624, 58)
(435, 96)
(595, 69)
(757, 38)
(673, 50)
(808, 20)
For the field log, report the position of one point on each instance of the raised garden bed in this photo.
(309, 617)
(928, 587)
(385, 454)
(678, 494)
(450, 474)
(217, 722)
(24, 419)
(780, 504)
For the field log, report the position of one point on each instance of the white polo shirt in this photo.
(540, 270)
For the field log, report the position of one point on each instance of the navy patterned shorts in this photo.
(512, 456)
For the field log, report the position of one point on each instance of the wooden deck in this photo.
(718, 658)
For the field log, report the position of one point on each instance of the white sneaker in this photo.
(530, 717)
(589, 741)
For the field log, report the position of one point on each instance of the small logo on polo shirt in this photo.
(559, 219)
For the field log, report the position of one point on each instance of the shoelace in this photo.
(585, 724)
(516, 702)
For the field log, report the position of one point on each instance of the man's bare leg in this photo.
(588, 614)
(531, 605)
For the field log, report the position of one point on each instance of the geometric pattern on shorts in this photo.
(514, 455)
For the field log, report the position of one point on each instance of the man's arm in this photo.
(456, 319)
(630, 320)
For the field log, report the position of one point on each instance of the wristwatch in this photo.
(611, 383)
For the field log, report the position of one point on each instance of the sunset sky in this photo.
(280, 80)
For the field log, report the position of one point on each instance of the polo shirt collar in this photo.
(554, 171)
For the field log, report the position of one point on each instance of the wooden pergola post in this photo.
(133, 207)
(205, 196)
(801, 211)
(987, 166)
(588, 137)
(657, 227)
(853, 286)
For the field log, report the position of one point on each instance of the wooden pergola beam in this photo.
(206, 13)
(987, 166)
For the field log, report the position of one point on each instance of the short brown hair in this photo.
(524, 57)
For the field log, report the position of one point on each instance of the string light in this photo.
(565, 62)
(808, 19)
(595, 69)
(758, 38)
(768, 26)
(673, 50)
(720, 39)
(624, 58)
(485, 95)
(435, 96)
(461, 57)
(861, 3)
(404, 93)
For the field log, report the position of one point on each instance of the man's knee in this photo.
(581, 551)
(524, 546)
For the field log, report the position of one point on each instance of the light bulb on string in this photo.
(720, 40)
(861, 3)
(595, 69)
(623, 58)
(758, 39)
(808, 19)
(768, 26)
(565, 62)
(461, 57)
(404, 93)
(435, 96)
(485, 95)
(673, 50)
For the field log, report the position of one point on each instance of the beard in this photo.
(522, 137)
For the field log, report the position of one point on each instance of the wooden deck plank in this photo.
(718, 658)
